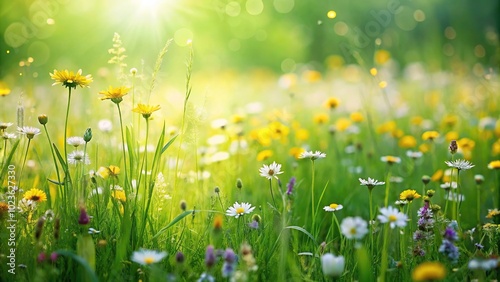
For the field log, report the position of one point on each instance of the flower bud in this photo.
(88, 135)
(183, 205)
(84, 218)
(43, 119)
(39, 227)
(239, 183)
(479, 178)
(453, 147)
(179, 257)
(426, 179)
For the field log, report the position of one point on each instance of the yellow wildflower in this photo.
(114, 94)
(494, 164)
(320, 118)
(429, 271)
(264, 155)
(332, 103)
(430, 135)
(382, 56)
(342, 124)
(356, 117)
(70, 79)
(36, 195)
(146, 110)
(409, 195)
(407, 142)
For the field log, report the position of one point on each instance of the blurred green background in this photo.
(276, 34)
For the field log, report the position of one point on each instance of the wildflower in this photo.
(119, 195)
(313, 156)
(5, 125)
(370, 183)
(29, 131)
(270, 171)
(179, 257)
(205, 277)
(108, 171)
(26, 205)
(460, 164)
(105, 125)
(426, 179)
(333, 207)
(218, 222)
(424, 233)
(401, 203)
(392, 216)
(290, 185)
(484, 264)
(390, 159)
(264, 155)
(84, 218)
(407, 142)
(494, 164)
(454, 197)
(331, 103)
(41, 257)
(75, 141)
(146, 110)
(495, 213)
(254, 224)
(479, 178)
(447, 247)
(238, 210)
(453, 147)
(43, 119)
(210, 256)
(333, 266)
(147, 257)
(414, 154)
(35, 195)
(320, 118)
(87, 136)
(69, 79)
(76, 157)
(229, 265)
(53, 257)
(354, 227)
(429, 271)
(93, 231)
(409, 195)
(430, 135)
(39, 227)
(356, 117)
(114, 94)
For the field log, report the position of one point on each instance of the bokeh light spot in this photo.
(288, 65)
(183, 36)
(283, 6)
(450, 33)
(233, 9)
(419, 15)
(254, 7)
(234, 44)
(341, 28)
(404, 19)
(331, 14)
(479, 51)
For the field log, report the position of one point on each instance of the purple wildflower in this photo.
(210, 256)
(290, 185)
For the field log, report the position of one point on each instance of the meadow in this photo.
(372, 170)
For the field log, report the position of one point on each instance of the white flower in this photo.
(414, 154)
(105, 125)
(146, 257)
(75, 141)
(238, 210)
(270, 171)
(354, 227)
(93, 231)
(484, 264)
(219, 156)
(333, 207)
(393, 216)
(460, 164)
(29, 131)
(370, 183)
(217, 139)
(454, 197)
(220, 123)
(333, 266)
(311, 155)
(78, 157)
(8, 136)
(5, 125)
(447, 185)
(390, 159)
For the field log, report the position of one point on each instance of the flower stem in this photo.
(123, 149)
(385, 255)
(271, 189)
(66, 126)
(387, 185)
(371, 218)
(312, 198)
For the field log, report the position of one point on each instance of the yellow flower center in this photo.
(334, 206)
(149, 260)
(271, 172)
(352, 231)
(392, 217)
(240, 210)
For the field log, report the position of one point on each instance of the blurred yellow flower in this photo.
(429, 271)
(452, 135)
(146, 110)
(437, 175)
(495, 148)
(450, 120)
(111, 170)
(382, 56)
(296, 152)
(357, 117)
(278, 130)
(311, 76)
(466, 144)
(334, 61)
(302, 134)
(35, 195)
(494, 164)
(4, 89)
(390, 159)
(264, 155)
(332, 103)
(424, 148)
(492, 213)
(237, 118)
(70, 79)
(430, 135)
(409, 195)
(342, 124)
(386, 127)
(397, 133)
(320, 118)
(407, 142)
(114, 94)
(119, 195)
(416, 120)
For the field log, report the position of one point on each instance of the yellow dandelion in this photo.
(429, 271)
(382, 56)
(386, 127)
(495, 148)
(466, 144)
(409, 195)
(342, 124)
(332, 103)
(4, 89)
(311, 76)
(390, 159)
(450, 120)
(407, 142)
(302, 134)
(357, 117)
(430, 135)
(494, 164)
(218, 220)
(437, 175)
(493, 213)
(452, 135)
(70, 79)
(320, 118)
(397, 133)
(416, 120)
(237, 118)
(35, 195)
(146, 110)
(296, 152)
(111, 170)
(115, 94)
(120, 195)
(264, 155)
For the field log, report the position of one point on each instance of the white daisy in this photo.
(447, 185)
(78, 157)
(29, 131)
(146, 257)
(75, 141)
(370, 183)
(313, 156)
(5, 125)
(8, 136)
(390, 159)
(270, 171)
(333, 207)
(93, 231)
(238, 210)
(460, 164)
(105, 125)
(354, 227)
(393, 216)
(414, 154)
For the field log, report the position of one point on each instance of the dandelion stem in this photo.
(387, 185)
(371, 218)
(385, 256)
(271, 189)
(66, 126)
(123, 148)
(312, 198)
(24, 162)
(54, 159)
